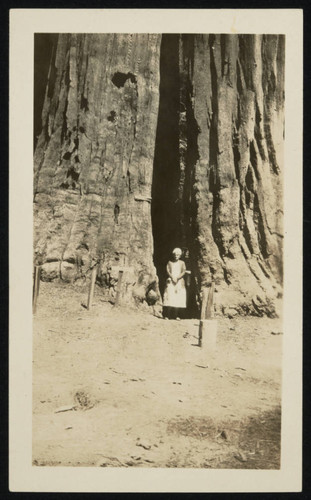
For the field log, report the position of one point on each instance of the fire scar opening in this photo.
(165, 206)
(171, 207)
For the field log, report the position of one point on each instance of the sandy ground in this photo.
(118, 387)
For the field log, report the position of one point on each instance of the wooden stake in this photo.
(204, 302)
(200, 333)
(208, 334)
(203, 309)
(210, 302)
(36, 286)
(117, 301)
(92, 286)
(206, 313)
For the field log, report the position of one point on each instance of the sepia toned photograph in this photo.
(155, 250)
(158, 250)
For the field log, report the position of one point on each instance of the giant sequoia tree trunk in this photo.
(146, 145)
(94, 157)
(231, 141)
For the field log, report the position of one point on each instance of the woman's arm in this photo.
(168, 270)
(182, 270)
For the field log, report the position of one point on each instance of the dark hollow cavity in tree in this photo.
(119, 78)
(166, 207)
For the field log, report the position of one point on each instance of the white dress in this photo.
(175, 295)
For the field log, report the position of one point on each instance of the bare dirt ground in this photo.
(125, 388)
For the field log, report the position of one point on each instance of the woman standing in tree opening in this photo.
(174, 297)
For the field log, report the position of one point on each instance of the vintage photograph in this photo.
(158, 250)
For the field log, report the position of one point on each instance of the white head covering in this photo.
(177, 251)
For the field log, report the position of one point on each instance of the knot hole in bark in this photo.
(119, 79)
(112, 116)
(116, 212)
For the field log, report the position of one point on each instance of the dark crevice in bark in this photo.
(52, 75)
(243, 252)
(189, 203)
(165, 207)
(247, 237)
(262, 241)
(73, 174)
(64, 123)
(67, 155)
(84, 103)
(271, 150)
(226, 276)
(214, 178)
(242, 211)
(258, 134)
(262, 267)
(236, 159)
(213, 131)
(245, 50)
(240, 84)
(280, 59)
(44, 75)
(253, 159)
(223, 53)
(249, 180)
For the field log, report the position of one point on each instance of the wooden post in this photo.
(92, 286)
(210, 302)
(36, 286)
(204, 302)
(208, 326)
(117, 301)
(208, 334)
(203, 309)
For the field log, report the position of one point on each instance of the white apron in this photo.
(175, 295)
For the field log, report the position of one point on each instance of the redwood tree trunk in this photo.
(94, 157)
(231, 149)
(210, 156)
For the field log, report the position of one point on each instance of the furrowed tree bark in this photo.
(94, 158)
(210, 155)
(232, 102)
